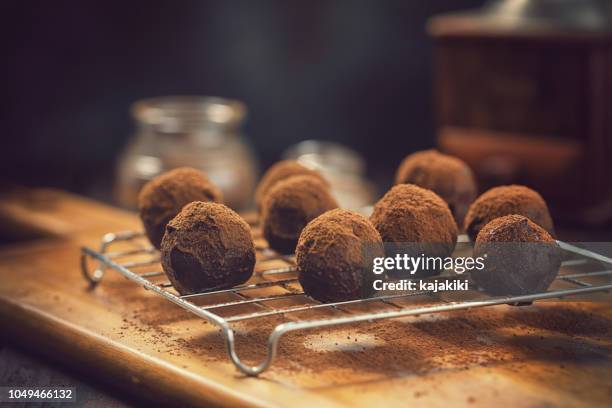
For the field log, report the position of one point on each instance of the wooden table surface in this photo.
(549, 354)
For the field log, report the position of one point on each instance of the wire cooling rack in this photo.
(132, 256)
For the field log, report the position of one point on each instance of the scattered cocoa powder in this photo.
(454, 342)
(503, 336)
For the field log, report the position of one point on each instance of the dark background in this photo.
(356, 72)
(353, 71)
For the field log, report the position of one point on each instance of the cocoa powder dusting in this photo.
(503, 335)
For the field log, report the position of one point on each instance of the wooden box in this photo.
(528, 104)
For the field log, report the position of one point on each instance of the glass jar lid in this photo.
(180, 114)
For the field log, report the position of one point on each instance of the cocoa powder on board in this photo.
(559, 332)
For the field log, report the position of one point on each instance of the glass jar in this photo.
(199, 132)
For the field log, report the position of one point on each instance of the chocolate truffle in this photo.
(162, 198)
(280, 171)
(520, 257)
(449, 177)
(207, 246)
(415, 221)
(291, 204)
(335, 255)
(506, 200)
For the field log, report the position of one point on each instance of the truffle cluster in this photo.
(415, 221)
(207, 246)
(291, 204)
(335, 255)
(449, 177)
(280, 171)
(507, 200)
(520, 257)
(162, 198)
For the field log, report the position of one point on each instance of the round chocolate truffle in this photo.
(335, 255)
(207, 246)
(415, 221)
(291, 204)
(506, 200)
(520, 257)
(449, 177)
(162, 198)
(280, 171)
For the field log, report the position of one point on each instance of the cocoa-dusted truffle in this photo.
(291, 204)
(207, 246)
(506, 200)
(520, 257)
(415, 221)
(280, 171)
(335, 254)
(449, 177)
(162, 198)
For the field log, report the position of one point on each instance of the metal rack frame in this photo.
(107, 259)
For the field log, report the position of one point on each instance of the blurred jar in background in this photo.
(343, 167)
(199, 132)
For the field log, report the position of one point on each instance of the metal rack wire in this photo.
(137, 254)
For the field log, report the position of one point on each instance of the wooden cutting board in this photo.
(555, 353)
